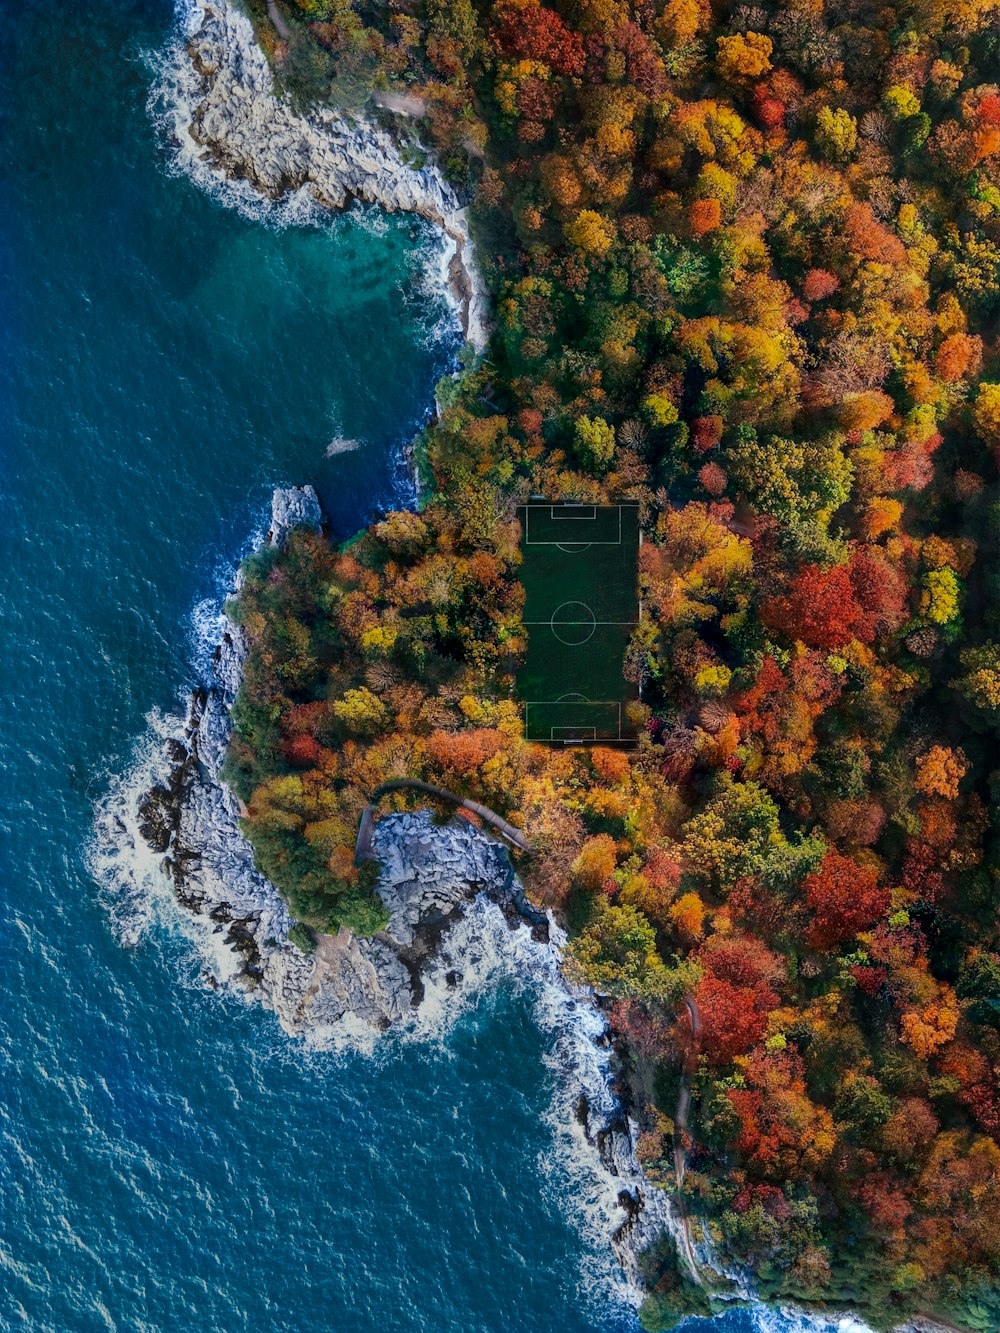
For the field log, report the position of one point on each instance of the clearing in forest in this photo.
(580, 577)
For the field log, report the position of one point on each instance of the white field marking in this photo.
(590, 619)
(562, 512)
(594, 703)
(589, 625)
(589, 518)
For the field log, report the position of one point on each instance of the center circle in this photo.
(573, 623)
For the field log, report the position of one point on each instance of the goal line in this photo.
(572, 525)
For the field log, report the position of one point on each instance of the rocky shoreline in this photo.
(439, 883)
(217, 94)
(434, 879)
(190, 819)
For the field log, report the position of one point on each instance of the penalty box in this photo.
(572, 525)
(579, 564)
(577, 722)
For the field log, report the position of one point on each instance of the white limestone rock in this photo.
(228, 120)
(293, 507)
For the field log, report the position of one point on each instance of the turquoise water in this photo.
(170, 1161)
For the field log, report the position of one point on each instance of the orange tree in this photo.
(756, 293)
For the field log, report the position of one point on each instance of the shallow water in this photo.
(170, 1160)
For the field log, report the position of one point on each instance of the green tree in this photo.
(595, 443)
(617, 954)
(360, 712)
(737, 833)
(980, 681)
(836, 134)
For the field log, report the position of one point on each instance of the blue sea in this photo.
(170, 1159)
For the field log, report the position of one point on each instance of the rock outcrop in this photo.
(293, 507)
(226, 114)
(457, 917)
(428, 872)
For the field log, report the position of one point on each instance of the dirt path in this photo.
(403, 104)
(281, 27)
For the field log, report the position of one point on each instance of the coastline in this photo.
(459, 924)
(233, 136)
(168, 832)
(330, 997)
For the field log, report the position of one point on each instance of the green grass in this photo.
(581, 605)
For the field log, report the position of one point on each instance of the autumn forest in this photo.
(745, 267)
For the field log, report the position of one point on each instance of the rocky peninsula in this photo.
(452, 897)
(218, 99)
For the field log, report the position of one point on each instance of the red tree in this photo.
(735, 995)
(820, 608)
(463, 751)
(645, 68)
(885, 1203)
(843, 897)
(818, 284)
(743, 961)
(537, 33)
(732, 1018)
(303, 751)
(704, 216)
(870, 239)
(869, 979)
(713, 478)
(707, 433)
(769, 110)
(988, 111)
(977, 1082)
(881, 592)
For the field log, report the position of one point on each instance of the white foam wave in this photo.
(208, 622)
(788, 1320)
(174, 96)
(133, 888)
(480, 952)
(434, 290)
(133, 885)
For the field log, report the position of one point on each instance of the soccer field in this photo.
(579, 572)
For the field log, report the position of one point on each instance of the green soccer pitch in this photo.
(580, 577)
